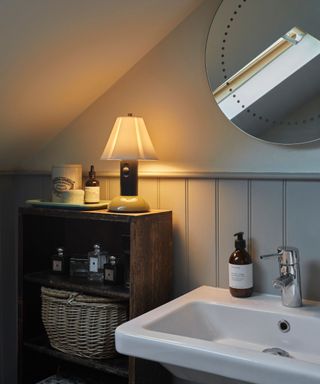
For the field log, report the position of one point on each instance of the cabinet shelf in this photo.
(48, 279)
(143, 241)
(117, 366)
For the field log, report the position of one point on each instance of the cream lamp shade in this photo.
(129, 142)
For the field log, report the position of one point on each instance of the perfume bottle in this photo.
(113, 273)
(97, 259)
(59, 263)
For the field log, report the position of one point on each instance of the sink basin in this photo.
(208, 332)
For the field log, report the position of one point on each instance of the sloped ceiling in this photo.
(58, 56)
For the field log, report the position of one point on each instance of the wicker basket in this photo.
(81, 325)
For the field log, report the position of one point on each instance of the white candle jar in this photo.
(64, 178)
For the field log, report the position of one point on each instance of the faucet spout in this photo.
(283, 281)
(289, 280)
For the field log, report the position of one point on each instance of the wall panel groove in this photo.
(201, 233)
(302, 214)
(173, 196)
(158, 193)
(284, 212)
(266, 230)
(249, 230)
(187, 234)
(217, 231)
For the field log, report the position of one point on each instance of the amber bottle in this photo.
(92, 188)
(240, 269)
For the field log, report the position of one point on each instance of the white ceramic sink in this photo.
(207, 332)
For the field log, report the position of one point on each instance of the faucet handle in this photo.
(269, 255)
(286, 255)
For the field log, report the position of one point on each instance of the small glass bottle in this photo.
(113, 273)
(59, 263)
(92, 188)
(97, 259)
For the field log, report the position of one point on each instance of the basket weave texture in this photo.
(81, 325)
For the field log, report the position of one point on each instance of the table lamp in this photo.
(129, 142)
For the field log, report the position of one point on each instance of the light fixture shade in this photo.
(129, 140)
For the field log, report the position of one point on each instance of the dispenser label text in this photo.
(240, 276)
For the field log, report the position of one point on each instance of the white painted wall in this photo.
(169, 88)
(58, 57)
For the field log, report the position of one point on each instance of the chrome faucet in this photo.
(289, 280)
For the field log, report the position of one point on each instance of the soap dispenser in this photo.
(240, 269)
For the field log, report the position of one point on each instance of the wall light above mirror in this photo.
(263, 62)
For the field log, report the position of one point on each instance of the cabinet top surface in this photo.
(102, 214)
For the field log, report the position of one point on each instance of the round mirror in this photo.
(263, 67)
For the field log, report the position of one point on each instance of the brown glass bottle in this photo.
(240, 269)
(92, 188)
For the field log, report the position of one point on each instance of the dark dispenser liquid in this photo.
(240, 269)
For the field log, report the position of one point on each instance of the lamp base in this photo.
(128, 204)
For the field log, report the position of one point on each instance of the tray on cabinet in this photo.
(80, 207)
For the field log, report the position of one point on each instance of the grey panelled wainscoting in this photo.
(207, 212)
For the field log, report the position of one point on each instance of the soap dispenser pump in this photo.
(240, 269)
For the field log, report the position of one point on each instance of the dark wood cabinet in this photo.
(144, 241)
